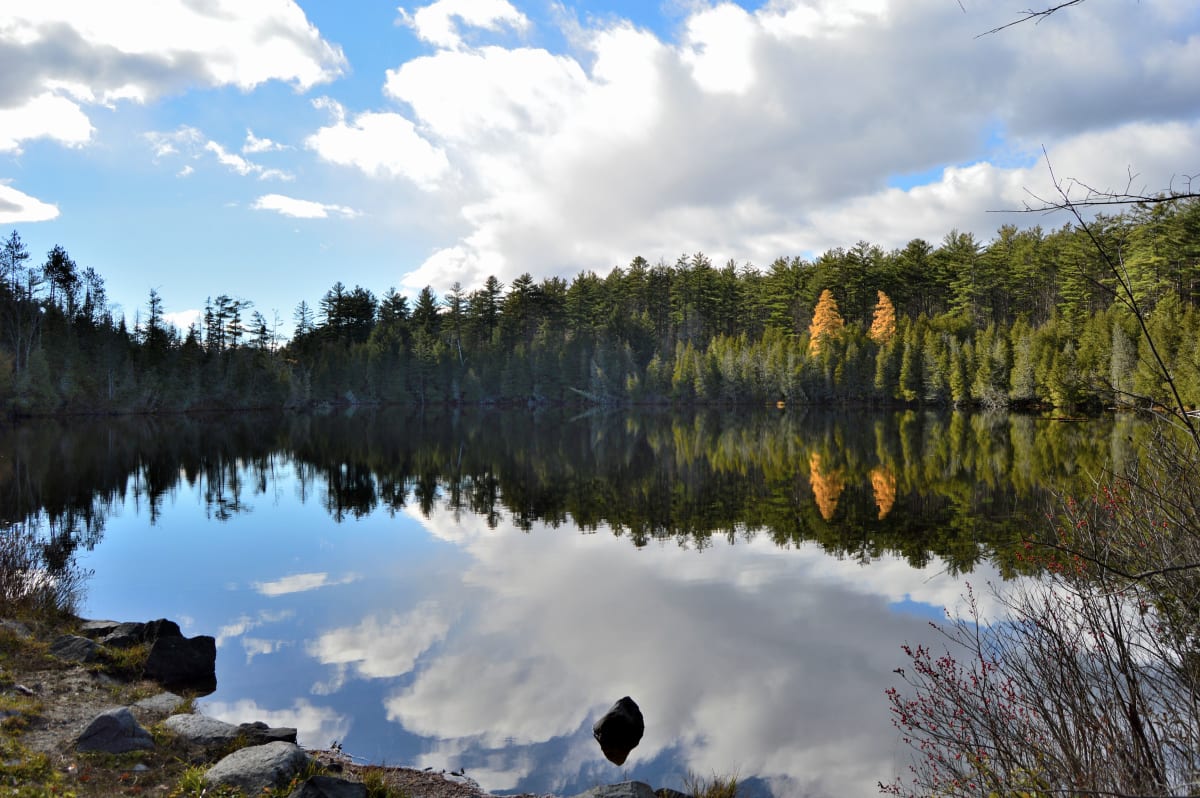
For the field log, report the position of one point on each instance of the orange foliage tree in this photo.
(827, 323)
(883, 324)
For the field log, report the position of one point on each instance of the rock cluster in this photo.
(174, 661)
(266, 758)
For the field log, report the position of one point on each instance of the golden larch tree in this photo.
(883, 324)
(826, 324)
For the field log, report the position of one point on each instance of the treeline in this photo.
(1031, 318)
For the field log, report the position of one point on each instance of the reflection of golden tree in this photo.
(827, 322)
(883, 482)
(883, 324)
(827, 487)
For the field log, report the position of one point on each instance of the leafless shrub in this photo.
(1088, 683)
(36, 580)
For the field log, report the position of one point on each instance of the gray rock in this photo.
(620, 730)
(15, 628)
(259, 733)
(97, 628)
(153, 630)
(329, 787)
(114, 732)
(163, 703)
(124, 635)
(185, 662)
(626, 789)
(262, 767)
(202, 730)
(667, 792)
(75, 648)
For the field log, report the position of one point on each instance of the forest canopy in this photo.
(1027, 319)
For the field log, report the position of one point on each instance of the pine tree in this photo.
(827, 323)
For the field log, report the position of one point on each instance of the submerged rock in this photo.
(620, 730)
(184, 662)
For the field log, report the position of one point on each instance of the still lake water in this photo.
(473, 590)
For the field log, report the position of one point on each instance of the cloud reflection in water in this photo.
(751, 658)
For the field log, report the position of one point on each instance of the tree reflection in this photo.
(919, 484)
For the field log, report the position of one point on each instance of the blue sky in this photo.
(267, 149)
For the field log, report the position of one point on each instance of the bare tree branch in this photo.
(1031, 14)
(1074, 193)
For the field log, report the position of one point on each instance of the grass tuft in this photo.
(715, 787)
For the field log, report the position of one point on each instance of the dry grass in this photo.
(713, 787)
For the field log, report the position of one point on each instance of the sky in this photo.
(266, 149)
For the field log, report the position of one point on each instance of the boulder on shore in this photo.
(261, 767)
(114, 732)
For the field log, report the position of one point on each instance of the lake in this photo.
(472, 590)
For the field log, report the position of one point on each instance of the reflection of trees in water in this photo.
(914, 483)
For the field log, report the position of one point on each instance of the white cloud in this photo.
(380, 145)
(190, 143)
(185, 139)
(17, 206)
(242, 166)
(183, 318)
(514, 672)
(755, 134)
(301, 583)
(974, 193)
(44, 116)
(60, 56)
(383, 647)
(719, 48)
(254, 144)
(316, 727)
(245, 623)
(301, 209)
(436, 22)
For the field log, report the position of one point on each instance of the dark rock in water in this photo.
(114, 732)
(259, 733)
(667, 792)
(620, 730)
(153, 630)
(184, 662)
(75, 648)
(124, 635)
(329, 787)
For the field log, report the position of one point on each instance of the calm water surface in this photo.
(474, 590)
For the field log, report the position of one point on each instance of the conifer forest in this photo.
(1029, 319)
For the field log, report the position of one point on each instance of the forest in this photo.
(1028, 320)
